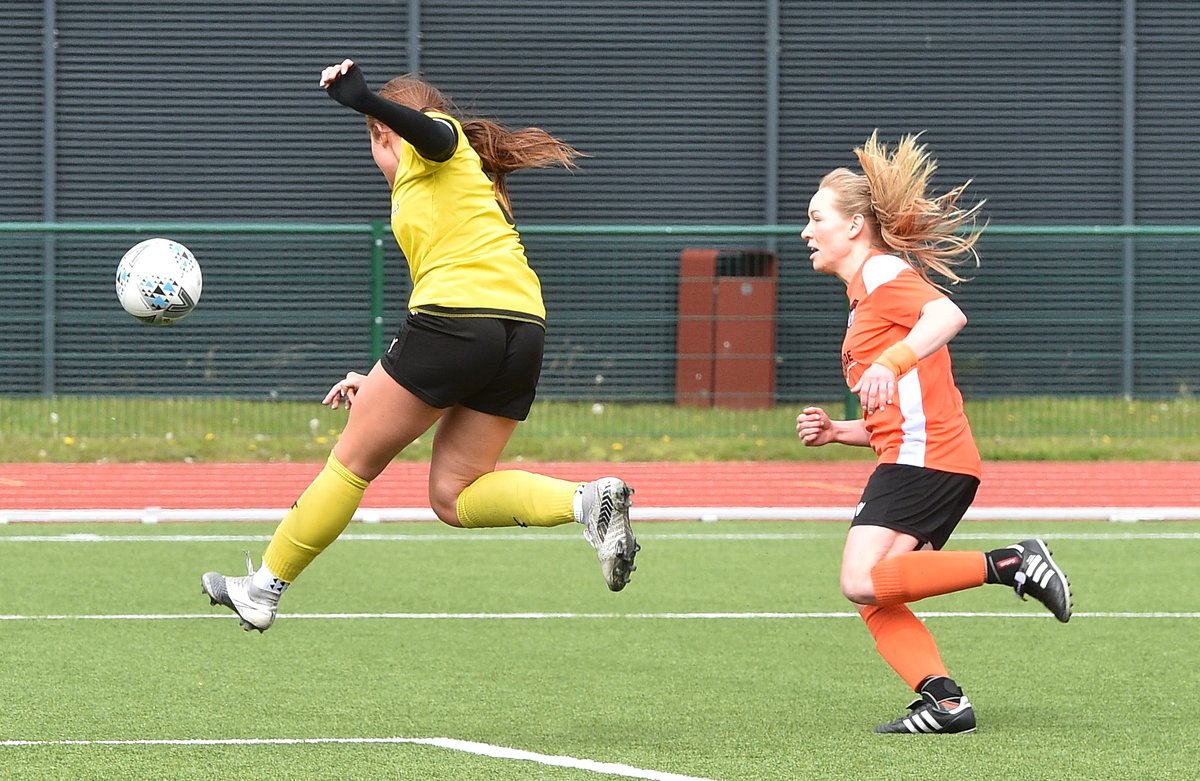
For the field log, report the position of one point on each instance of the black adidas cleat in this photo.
(927, 716)
(1041, 578)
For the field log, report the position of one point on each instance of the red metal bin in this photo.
(725, 346)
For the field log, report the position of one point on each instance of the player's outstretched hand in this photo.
(333, 72)
(346, 84)
(343, 392)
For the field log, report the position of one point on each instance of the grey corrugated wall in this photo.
(173, 111)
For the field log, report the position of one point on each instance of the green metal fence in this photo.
(1080, 333)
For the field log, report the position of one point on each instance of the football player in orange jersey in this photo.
(882, 235)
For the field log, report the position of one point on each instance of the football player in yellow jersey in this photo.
(467, 358)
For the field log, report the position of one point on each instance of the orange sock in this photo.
(904, 642)
(919, 574)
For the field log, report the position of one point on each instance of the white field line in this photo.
(547, 536)
(378, 515)
(453, 744)
(540, 616)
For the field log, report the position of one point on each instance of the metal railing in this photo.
(376, 233)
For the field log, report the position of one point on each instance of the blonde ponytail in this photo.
(931, 233)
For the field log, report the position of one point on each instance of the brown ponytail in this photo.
(500, 150)
(503, 151)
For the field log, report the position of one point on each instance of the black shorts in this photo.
(925, 503)
(488, 364)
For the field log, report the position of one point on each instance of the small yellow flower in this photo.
(68, 441)
(617, 446)
(209, 437)
(321, 440)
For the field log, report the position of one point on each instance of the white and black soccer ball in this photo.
(159, 281)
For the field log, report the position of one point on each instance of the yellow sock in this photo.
(516, 498)
(315, 520)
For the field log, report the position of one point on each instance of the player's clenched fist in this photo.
(814, 427)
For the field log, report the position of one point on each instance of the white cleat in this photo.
(606, 527)
(254, 606)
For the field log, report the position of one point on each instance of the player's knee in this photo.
(858, 588)
(444, 503)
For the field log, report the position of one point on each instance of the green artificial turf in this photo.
(731, 655)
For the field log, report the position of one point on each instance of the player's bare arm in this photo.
(815, 428)
(939, 322)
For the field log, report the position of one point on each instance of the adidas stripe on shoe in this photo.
(1040, 577)
(928, 716)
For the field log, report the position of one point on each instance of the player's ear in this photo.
(857, 222)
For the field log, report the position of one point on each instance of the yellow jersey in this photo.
(463, 253)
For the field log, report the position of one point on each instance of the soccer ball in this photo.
(158, 281)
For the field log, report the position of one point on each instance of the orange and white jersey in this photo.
(926, 426)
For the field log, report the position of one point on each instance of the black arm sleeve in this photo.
(432, 139)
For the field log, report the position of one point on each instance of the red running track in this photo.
(662, 485)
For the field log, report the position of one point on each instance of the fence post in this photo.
(49, 194)
(1129, 105)
(49, 313)
(377, 263)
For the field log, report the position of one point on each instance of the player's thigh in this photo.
(384, 419)
(865, 547)
(467, 445)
